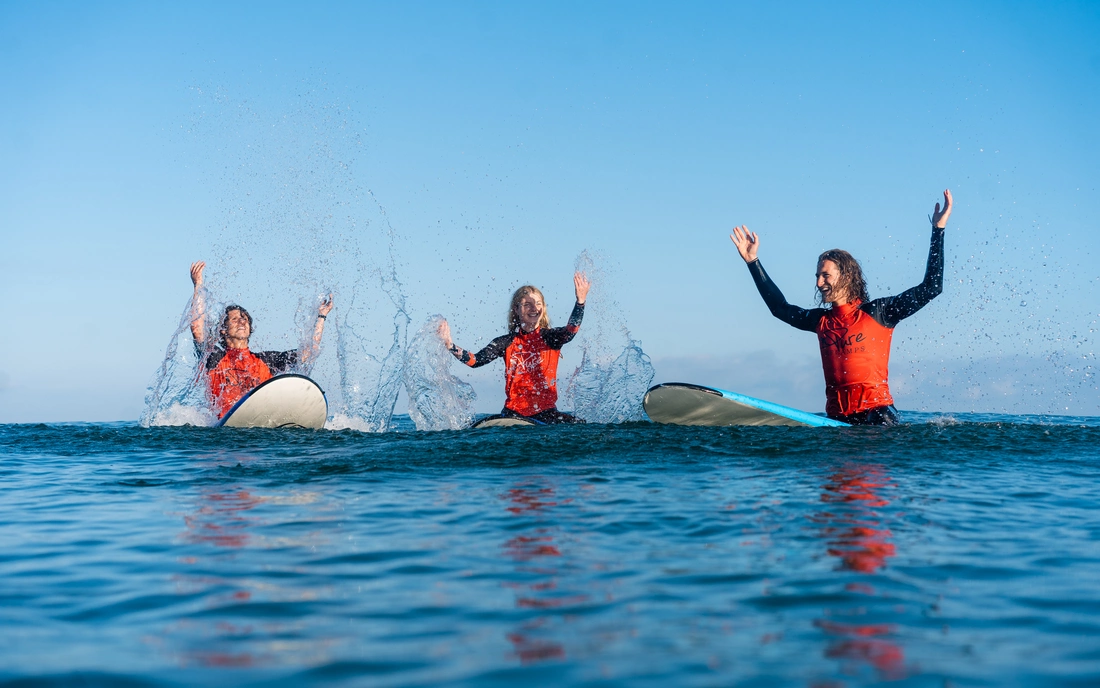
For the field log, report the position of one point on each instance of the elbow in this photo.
(777, 312)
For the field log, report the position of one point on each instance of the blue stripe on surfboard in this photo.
(781, 410)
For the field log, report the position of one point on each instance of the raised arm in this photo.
(748, 245)
(494, 350)
(557, 337)
(894, 309)
(198, 304)
(318, 328)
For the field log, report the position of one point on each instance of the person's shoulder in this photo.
(275, 354)
(214, 355)
(876, 305)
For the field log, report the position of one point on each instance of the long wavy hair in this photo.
(851, 275)
(224, 328)
(514, 324)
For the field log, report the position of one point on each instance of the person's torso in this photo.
(855, 357)
(530, 374)
(237, 373)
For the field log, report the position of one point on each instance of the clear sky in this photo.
(499, 140)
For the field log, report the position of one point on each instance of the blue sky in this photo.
(498, 142)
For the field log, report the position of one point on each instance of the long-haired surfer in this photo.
(530, 350)
(853, 331)
(231, 369)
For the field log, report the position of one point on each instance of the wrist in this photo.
(321, 316)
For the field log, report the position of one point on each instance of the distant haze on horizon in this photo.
(470, 149)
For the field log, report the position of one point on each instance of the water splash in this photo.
(295, 224)
(609, 384)
(606, 391)
(175, 396)
(437, 399)
(369, 384)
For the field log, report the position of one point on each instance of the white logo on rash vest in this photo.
(526, 360)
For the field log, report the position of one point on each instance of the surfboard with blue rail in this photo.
(499, 421)
(680, 403)
(284, 401)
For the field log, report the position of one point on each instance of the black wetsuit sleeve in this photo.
(794, 316)
(890, 310)
(213, 356)
(557, 337)
(493, 351)
(278, 361)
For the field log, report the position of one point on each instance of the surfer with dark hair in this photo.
(231, 369)
(531, 350)
(853, 331)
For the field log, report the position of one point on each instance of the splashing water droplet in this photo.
(437, 399)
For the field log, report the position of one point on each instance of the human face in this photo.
(829, 283)
(529, 311)
(237, 327)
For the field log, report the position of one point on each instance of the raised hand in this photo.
(939, 217)
(444, 332)
(326, 306)
(196, 272)
(581, 286)
(198, 305)
(747, 242)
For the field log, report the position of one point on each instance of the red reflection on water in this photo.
(524, 547)
(223, 660)
(218, 519)
(884, 656)
(856, 535)
(531, 650)
(526, 499)
(531, 548)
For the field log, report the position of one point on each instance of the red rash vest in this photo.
(233, 373)
(855, 338)
(530, 364)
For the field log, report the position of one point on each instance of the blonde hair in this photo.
(514, 325)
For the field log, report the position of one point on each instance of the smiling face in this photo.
(529, 310)
(830, 283)
(237, 326)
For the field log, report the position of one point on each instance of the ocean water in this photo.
(958, 551)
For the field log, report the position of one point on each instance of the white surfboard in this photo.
(679, 403)
(284, 401)
(502, 422)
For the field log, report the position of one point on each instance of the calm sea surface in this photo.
(956, 552)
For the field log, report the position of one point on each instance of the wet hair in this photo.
(225, 323)
(851, 275)
(514, 324)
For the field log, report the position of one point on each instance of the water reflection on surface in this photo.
(234, 530)
(537, 557)
(856, 534)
